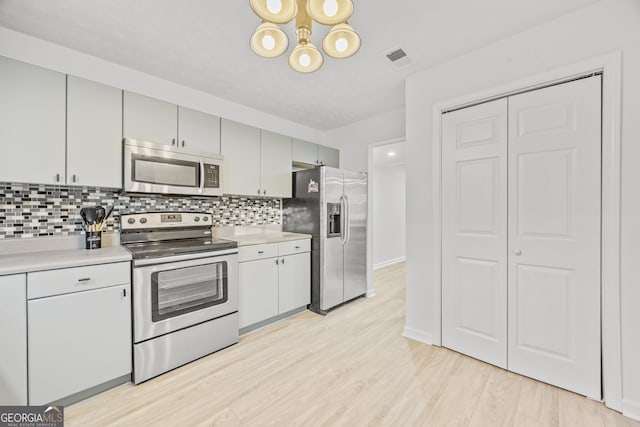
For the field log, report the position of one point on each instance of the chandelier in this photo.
(270, 41)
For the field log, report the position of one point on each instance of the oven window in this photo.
(161, 171)
(183, 290)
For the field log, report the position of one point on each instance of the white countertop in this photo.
(50, 260)
(247, 236)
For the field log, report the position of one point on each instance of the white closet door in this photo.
(554, 235)
(474, 231)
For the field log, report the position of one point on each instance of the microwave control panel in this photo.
(211, 176)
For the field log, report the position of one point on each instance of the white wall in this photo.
(388, 214)
(353, 140)
(55, 57)
(606, 26)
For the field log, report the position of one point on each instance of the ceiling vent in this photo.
(399, 58)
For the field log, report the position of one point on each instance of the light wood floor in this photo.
(350, 368)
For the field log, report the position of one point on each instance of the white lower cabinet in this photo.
(13, 340)
(79, 337)
(294, 282)
(258, 282)
(274, 279)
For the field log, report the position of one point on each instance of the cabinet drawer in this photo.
(294, 247)
(253, 252)
(57, 282)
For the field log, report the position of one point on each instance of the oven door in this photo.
(170, 295)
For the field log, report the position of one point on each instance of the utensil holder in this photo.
(93, 239)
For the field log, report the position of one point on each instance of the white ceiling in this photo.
(204, 44)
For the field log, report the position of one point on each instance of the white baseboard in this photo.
(370, 293)
(417, 335)
(631, 409)
(389, 262)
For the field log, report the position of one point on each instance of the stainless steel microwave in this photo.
(161, 169)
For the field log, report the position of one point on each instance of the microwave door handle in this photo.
(201, 176)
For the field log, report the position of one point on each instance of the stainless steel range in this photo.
(185, 290)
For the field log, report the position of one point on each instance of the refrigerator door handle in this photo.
(347, 220)
(343, 222)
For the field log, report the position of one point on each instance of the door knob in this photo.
(517, 252)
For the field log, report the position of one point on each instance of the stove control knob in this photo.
(143, 220)
(205, 218)
(196, 219)
(131, 220)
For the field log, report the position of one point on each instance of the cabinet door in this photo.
(304, 151)
(32, 123)
(198, 131)
(13, 336)
(275, 164)
(94, 134)
(258, 283)
(328, 156)
(149, 119)
(78, 341)
(241, 150)
(294, 282)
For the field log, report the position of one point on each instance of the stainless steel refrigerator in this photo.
(331, 205)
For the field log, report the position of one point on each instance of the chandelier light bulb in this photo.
(274, 6)
(275, 11)
(342, 44)
(330, 7)
(304, 60)
(330, 12)
(268, 42)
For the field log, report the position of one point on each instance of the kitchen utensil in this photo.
(89, 215)
(106, 217)
(100, 213)
(108, 214)
(83, 216)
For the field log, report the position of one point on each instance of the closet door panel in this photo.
(554, 235)
(474, 172)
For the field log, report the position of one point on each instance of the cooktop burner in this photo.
(164, 234)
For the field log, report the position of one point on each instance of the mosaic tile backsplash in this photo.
(35, 210)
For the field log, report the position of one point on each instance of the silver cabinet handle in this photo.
(75, 178)
(84, 279)
(517, 252)
(58, 178)
(258, 191)
(283, 260)
(297, 247)
(124, 293)
(173, 141)
(264, 191)
(276, 261)
(183, 142)
(260, 252)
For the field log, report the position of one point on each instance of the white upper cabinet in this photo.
(328, 156)
(241, 151)
(304, 151)
(94, 134)
(32, 123)
(314, 154)
(198, 131)
(275, 164)
(149, 119)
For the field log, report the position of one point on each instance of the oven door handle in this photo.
(201, 176)
(201, 257)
